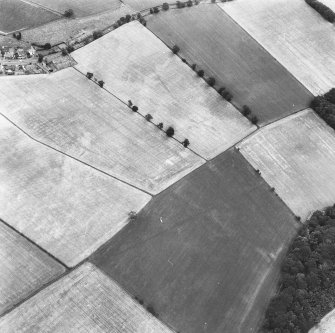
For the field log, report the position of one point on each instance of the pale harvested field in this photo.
(329, 3)
(74, 115)
(206, 252)
(297, 157)
(24, 268)
(84, 301)
(295, 34)
(17, 14)
(136, 65)
(208, 37)
(327, 324)
(67, 208)
(63, 29)
(80, 7)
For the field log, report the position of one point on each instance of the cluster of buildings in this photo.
(12, 53)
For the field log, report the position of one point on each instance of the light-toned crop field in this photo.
(67, 208)
(80, 7)
(24, 268)
(76, 116)
(295, 34)
(296, 156)
(208, 37)
(326, 325)
(206, 252)
(17, 14)
(329, 3)
(64, 29)
(144, 4)
(84, 301)
(136, 65)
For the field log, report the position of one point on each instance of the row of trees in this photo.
(322, 9)
(307, 283)
(324, 106)
(169, 131)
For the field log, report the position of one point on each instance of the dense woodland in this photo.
(324, 106)
(307, 283)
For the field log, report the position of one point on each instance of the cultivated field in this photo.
(295, 34)
(205, 252)
(144, 4)
(208, 37)
(135, 65)
(84, 301)
(61, 30)
(17, 14)
(71, 113)
(297, 157)
(67, 208)
(24, 268)
(327, 324)
(80, 7)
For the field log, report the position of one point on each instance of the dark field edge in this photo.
(265, 50)
(140, 114)
(72, 157)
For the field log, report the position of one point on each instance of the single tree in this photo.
(128, 18)
(165, 6)
(211, 81)
(170, 131)
(156, 10)
(40, 57)
(47, 46)
(246, 110)
(89, 75)
(221, 90)
(64, 52)
(201, 73)
(148, 117)
(68, 13)
(134, 108)
(70, 49)
(97, 34)
(175, 49)
(151, 11)
(189, 3)
(186, 143)
(130, 103)
(254, 120)
(101, 83)
(160, 126)
(194, 66)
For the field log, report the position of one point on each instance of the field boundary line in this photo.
(74, 158)
(268, 52)
(194, 152)
(34, 4)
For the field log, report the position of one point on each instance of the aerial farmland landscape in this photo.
(167, 167)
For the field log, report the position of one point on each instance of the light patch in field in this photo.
(208, 37)
(84, 301)
(67, 208)
(296, 156)
(74, 115)
(326, 325)
(295, 34)
(136, 65)
(24, 268)
(80, 7)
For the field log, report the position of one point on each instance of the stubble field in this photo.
(295, 34)
(17, 14)
(205, 252)
(65, 207)
(136, 65)
(208, 37)
(74, 115)
(24, 268)
(297, 157)
(84, 301)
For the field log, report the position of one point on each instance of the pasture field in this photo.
(208, 37)
(205, 252)
(84, 301)
(64, 29)
(295, 34)
(76, 116)
(24, 268)
(136, 65)
(17, 14)
(296, 156)
(80, 8)
(65, 207)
